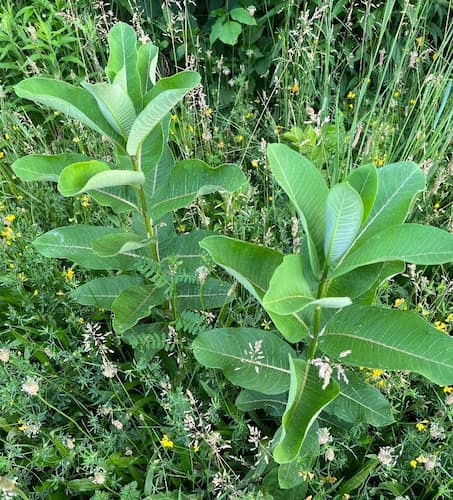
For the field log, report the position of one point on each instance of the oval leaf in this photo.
(192, 178)
(251, 358)
(161, 99)
(390, 340)
(45, 167)
(414, 243)
(306, 400)
(344, 212)
(101, 292)
(114, 244)
(135, 303)
(91, 175)
(72, 101)
(365, 181)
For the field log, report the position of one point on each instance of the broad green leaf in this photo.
(161, 99)
(120, 198)
(253, 265)
(307, 190)
(75, 243)
(271, 490)
(226, 31)
(73, 101)
(344, 212)
(243, 16)
(355, 282)
(211, 295)
(288, 290)
(306, 400)
(365, 181)
(147, 57)
(117, 243)
(359, 477)
(151, 152)
(251, 358)
(92, 175)
(272, 404)
(135, 303)
(390, 340)
(294, 473)
(398, 185)
(122, 64)
(414, 243)
(115, 105)
(192, 178)
(360, 402)
(101, 292)
(44, 167)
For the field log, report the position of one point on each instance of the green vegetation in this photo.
(225, 252)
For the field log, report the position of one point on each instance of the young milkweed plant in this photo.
(150, 265)
(321, 303)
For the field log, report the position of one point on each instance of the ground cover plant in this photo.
(105, 385)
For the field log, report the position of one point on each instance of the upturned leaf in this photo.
(75, 243)
(414, 243)
(306, 400)
(92, 175)
(365, 181)
(72, 101)
(251, 358)
(360, 402)
(122, 63)
(45, 167)
(119, 243)
(307, 190)
(159, 101)
(133, 304)
(344, 211)
(147, 58)
(390, 340)
(101, 292)
(192, 178)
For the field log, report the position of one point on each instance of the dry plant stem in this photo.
(147, 219)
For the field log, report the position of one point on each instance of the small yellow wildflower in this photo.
(11, 265)
(448, 389)
(10, 218)
(265, 325)
(436, 206)
(399, 302)
(208, 111)
(351, 95)
(196, 449)
(381, 384)
(248, 115)
(81, 321)
(76, 140)
(377, 373)
(221, 145)
(15, 128)
(412, 102)
(191, 129)
(449, 318)
(419, 41)
(239, 138)
(59, 293)
(440, 325)
(270, 198)
(35, 293)
(435, 56)
(254, 163)
(380, 161)
(181, 228)
(421, 459)
(68, 274)
(397, 93)
(85, 201)
(295, 88)
(421, 426)
(413, 463)
(23, 427)
(56, 113)
(166, 442)
(2, 155)
(174, 118)
(350, 105)
(7, 137)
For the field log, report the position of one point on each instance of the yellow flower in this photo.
(436, 206)
(221, 145)
(10, 218)
(295, 88)
(23, 427)
(7, 137)
(381, 384)
(35, 293)
(377, 373)
(421, 426)
(2, 154)
(396, 93)
(440, 325)
(191, 129)
(208, 111)
(435, 56)
(351, 95)
(399, 302)
(350, 105)
(413, 463)
(68, 274)
(174, 118)
(239, 138)
(85, 201)
(166, 442)
(419, 41)
(412, 101)
(448, 389)
(254, 163)
(248, 115)
(196, 449)
(449, 318)
(15, 128)
(76, 140)
(59, 293)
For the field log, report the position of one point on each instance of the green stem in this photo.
(148, 222)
